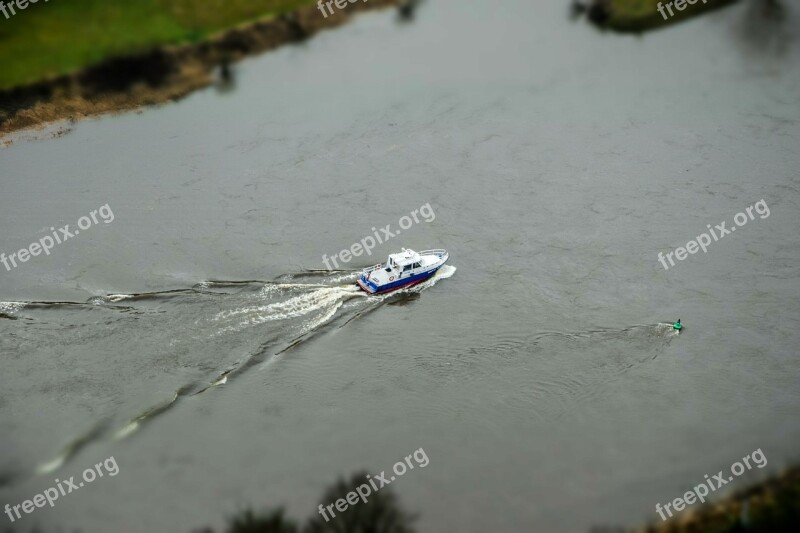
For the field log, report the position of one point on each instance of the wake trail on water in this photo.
(133, 345)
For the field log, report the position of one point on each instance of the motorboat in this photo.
(402, 270)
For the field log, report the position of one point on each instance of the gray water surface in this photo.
(539, 372)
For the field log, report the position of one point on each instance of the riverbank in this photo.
(773, 505)
(162, 73)
(642, 15)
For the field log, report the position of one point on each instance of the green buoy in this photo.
(677, 325)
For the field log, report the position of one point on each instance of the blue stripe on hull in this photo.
(403, 282)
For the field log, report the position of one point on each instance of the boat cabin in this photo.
(404, 263)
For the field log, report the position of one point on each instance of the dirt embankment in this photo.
(165, 73)
(643, 15)
(770, 506)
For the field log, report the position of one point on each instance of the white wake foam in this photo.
(11, 307)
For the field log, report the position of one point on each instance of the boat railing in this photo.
(372, 269)
(438, 252)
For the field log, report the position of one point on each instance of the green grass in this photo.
(61, 36)
(638, 15)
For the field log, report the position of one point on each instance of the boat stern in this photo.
(366, 285)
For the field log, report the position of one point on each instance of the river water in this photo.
(194, 339)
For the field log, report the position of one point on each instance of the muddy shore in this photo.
(164, 73)
(627, 17)
(773, 505)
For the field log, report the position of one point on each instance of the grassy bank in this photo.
(640, 15)
(61, 36)
(64, 63)
(769, 507)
